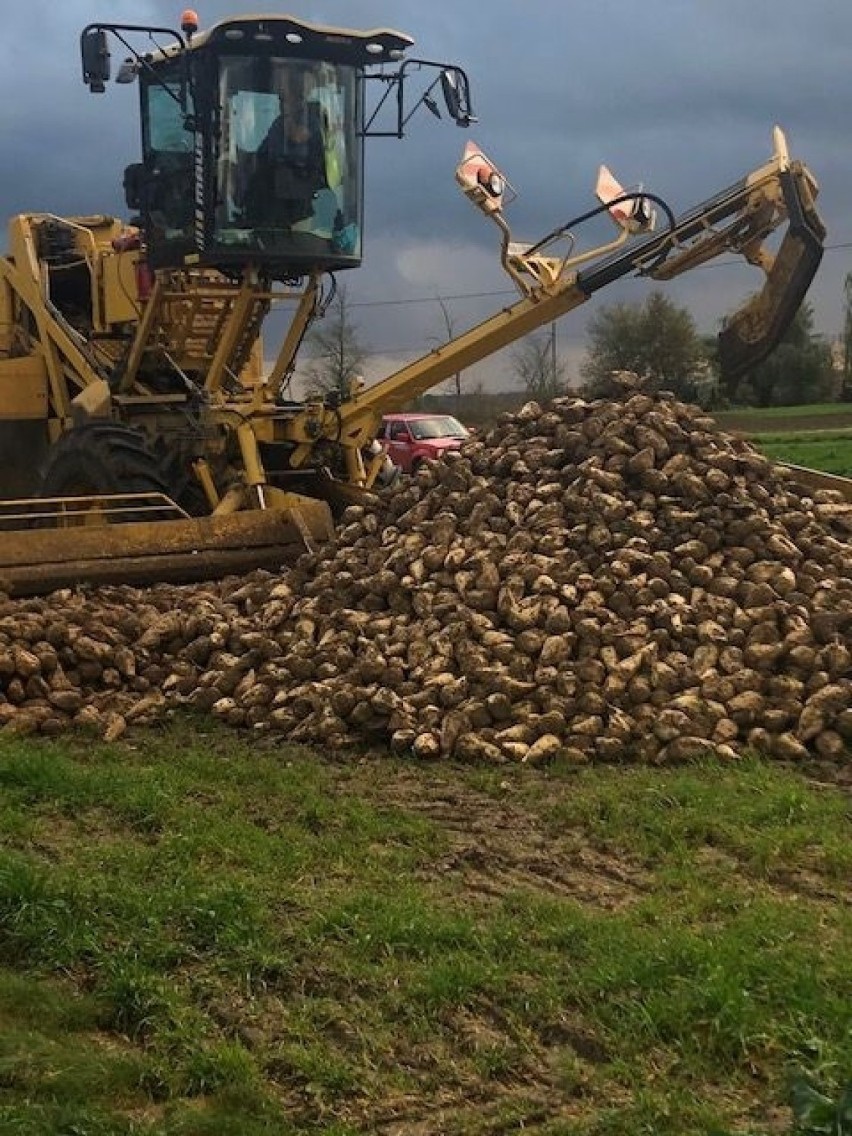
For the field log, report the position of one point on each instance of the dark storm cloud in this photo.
(678, 94)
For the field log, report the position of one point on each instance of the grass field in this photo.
(818, 436)
(830, 450)
(198, 936)
(807, 417)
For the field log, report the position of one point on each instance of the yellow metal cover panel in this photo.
(121, 294)
(23, 388)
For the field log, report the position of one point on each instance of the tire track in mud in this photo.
(495, 847)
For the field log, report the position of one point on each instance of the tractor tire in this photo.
(102, 458)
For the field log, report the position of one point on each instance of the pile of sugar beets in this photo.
(591, 581)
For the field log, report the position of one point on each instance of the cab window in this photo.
(168, 147)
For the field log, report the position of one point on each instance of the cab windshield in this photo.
(288, 164)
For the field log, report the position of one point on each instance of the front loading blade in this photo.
(39, 560)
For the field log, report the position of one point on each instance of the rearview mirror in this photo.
(456, 91)
(94, 49)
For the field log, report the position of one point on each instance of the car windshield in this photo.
(439, 426)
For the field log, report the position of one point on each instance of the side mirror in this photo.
(456, 91)
(134, 185)
(94, 49)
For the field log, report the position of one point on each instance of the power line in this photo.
(431, 299)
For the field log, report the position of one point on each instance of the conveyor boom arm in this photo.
(737, 220)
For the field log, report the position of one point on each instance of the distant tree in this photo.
(337, 353)
(537, 365)
(657, 340)
(798, 371)
(846, 388)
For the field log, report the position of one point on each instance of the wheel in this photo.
(102, 458)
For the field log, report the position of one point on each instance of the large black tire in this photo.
(102, 458)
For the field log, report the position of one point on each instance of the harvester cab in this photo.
(253, 136)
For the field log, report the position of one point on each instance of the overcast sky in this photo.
(680, 95)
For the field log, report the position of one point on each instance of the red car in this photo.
(411, 439)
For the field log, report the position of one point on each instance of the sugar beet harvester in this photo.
(142, 439)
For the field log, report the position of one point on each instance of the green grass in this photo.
(200, 936)
(818, 436)
(840, 434)
(832, 453)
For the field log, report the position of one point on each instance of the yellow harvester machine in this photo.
(142, 439)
